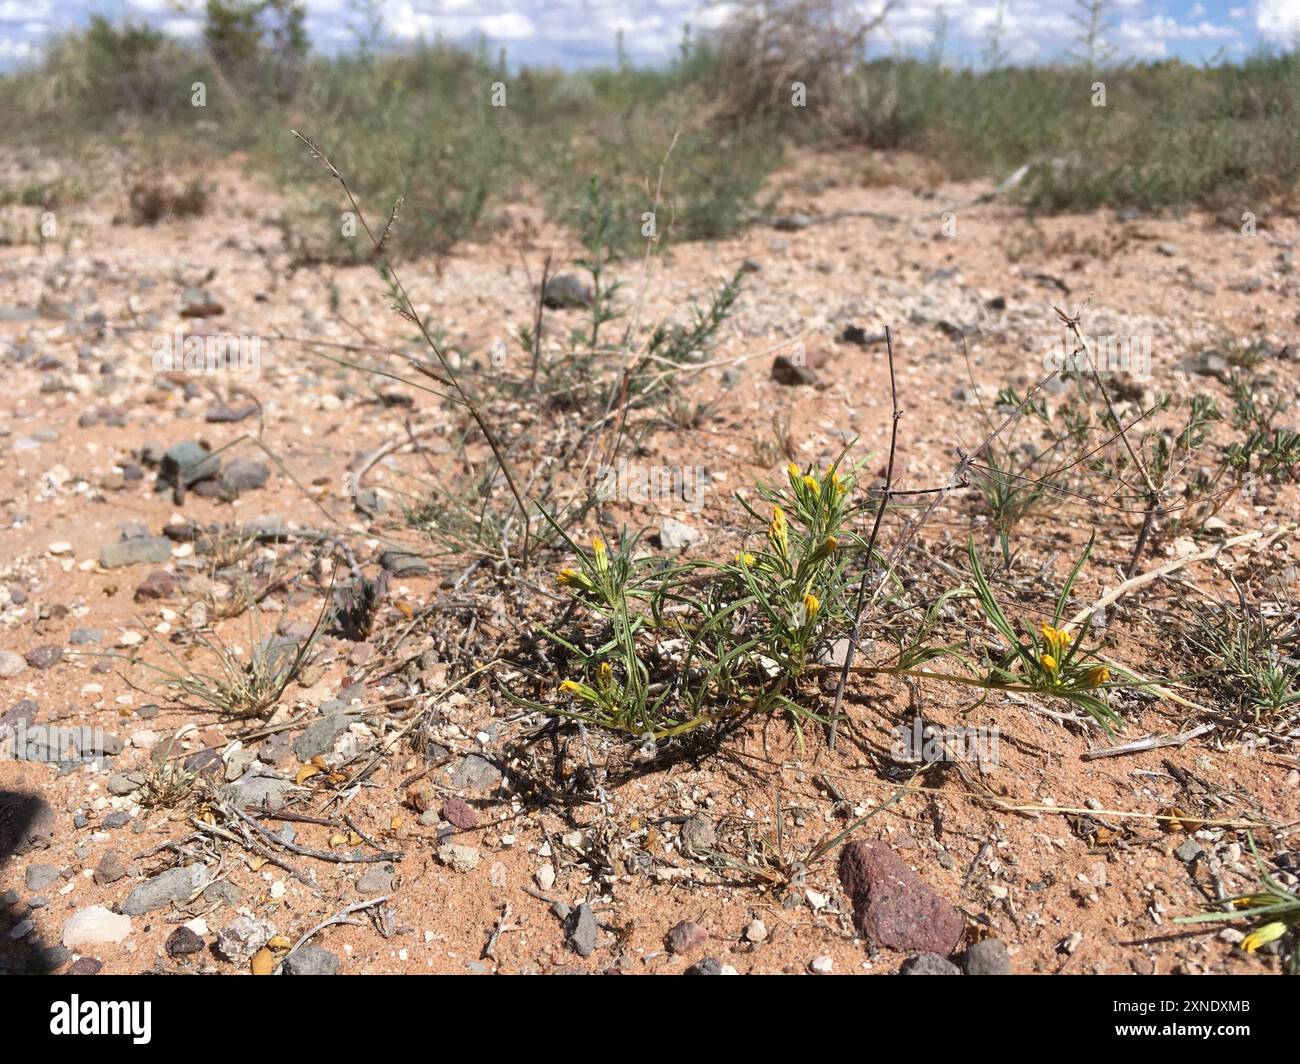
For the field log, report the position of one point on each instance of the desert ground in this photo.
(395, 810)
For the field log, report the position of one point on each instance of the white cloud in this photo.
(1278, 20)
(24, 11)
(1163, 28)
(182, 27)
(11, 50)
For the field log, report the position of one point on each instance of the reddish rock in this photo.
(157, 585)
(686, 936)
(893, 907)
(459, 813)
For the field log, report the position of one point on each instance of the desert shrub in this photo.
(153, 198)
(258, 42)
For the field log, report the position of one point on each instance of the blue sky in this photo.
(582, 32)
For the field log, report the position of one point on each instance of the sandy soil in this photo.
(1092, 888)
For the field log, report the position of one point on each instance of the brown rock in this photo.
(157, 585)
(788, 372)
(893, 907)
(685, 936)
(110, 869)
(460, 813)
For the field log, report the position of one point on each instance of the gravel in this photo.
(580, 931)
(311, 960)
(989, 957)
(175, 885)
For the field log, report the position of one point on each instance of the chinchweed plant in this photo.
(1272, 913)
(1047, 659)
(666, 650)
(673, 649)
(755, 624)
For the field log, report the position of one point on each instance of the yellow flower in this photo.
(1048, 662)
(811, 605)
(793, 471)
(1096, 676)
(579, 690)
(604, 674)
(1250, 901)
(746, 559)
(1262, 936)
(777, 533)
(811, 484)
(600, 557)
(828, 547)
(573, 578)
(837, 483)
(1057, 639)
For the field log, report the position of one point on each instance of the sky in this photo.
(580, 33)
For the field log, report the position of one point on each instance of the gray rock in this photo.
(40, 876)
(223, 892)
(318, 737)
(566, 290)
(243, 937)
(11, 664)
(187, 463)
(252, 791)
(109, 870)
(69, 745)
(244, 475)
(403, 563)
(1188, 851)
(989, 957)
(124, 783)
(581, 930)
(311, 960)
(705, 966)
(138, 551)
(476, 774)
(928, 964)
(378, 880)
(676, 535)
(698, 834)
(792, 223)
(220, 415)
(86, 636)
(174, 885)
(45, 656)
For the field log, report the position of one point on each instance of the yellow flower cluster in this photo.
(778, 534)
